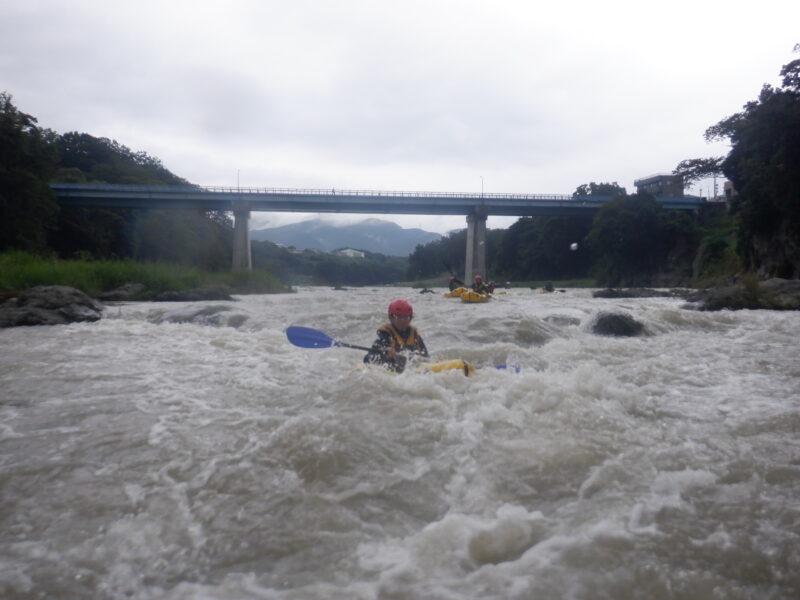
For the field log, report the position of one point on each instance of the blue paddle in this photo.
(305, 337)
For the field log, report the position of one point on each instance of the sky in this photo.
(437, 95)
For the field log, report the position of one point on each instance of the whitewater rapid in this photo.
(143, 457)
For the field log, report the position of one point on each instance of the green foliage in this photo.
(539, 248)
(600, 189)
(31, 220)
(764, 166)
(716, 260)
(445, 255)
(27, 207)
(107, 161)
(695, 169)
(21, 270)
(632, 237)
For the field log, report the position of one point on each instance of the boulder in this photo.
(772, 294)
(562, 320)
(617, 324)
(49, 305)
(195, 295)
(128, 291)
(639, 293)
(217, 316)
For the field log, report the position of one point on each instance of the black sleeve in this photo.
(379, 346)
(421, 349)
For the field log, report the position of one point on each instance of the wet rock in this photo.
(783, 293)
(195, 295)
(772, 294)
(562, 320)
(639, 293)
(217, 316)
(49, 305)
(129, 291)
(617, 324)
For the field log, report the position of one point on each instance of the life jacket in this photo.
(398, 341)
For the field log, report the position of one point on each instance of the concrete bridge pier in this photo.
(475, 263)
(242, 254)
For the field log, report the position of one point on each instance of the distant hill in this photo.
(373, 235)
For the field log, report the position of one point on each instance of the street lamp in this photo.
(481, 186)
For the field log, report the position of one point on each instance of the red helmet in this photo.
(402, 308)
(478, 277)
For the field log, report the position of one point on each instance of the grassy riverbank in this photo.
(20, 271)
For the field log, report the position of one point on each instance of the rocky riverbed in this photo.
(58, 305)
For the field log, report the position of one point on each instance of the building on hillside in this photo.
(729, 191)
(349, 252)
(660, 185)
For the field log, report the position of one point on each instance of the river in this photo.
(142, 458)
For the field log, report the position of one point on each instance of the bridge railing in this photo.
(373, 193)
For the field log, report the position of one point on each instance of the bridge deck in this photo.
(337, 201)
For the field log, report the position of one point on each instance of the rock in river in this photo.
(617, 324)
(49, 305)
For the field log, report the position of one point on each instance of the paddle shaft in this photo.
(343, 345)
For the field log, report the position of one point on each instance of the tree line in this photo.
(31, 220)
(630, 241)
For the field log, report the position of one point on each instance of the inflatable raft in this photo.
(455, 364)
(456, 293)
(470, 296)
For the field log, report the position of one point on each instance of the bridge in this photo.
(241, 201)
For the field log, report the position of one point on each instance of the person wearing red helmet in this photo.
(478, 285)
(396, 338)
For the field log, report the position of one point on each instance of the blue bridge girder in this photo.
(335, 201)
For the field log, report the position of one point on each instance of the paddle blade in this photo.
(305, 337)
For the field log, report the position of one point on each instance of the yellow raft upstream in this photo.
(456, 293)
(470, 296)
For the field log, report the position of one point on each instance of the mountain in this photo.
(373, 235)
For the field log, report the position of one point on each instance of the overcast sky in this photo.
(439, 95)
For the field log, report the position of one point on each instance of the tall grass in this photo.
(20, 270)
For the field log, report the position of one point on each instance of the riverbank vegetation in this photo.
(23, 270)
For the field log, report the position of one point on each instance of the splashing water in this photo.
(145, 457)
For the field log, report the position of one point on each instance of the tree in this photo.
(446, 254)
(764, 166)
(27, 157)
(600, 189)
(630, 238)
(695, 169)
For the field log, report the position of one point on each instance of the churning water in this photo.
(144, 458)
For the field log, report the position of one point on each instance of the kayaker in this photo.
(455, 282)
(396, 339)
(478, 286)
